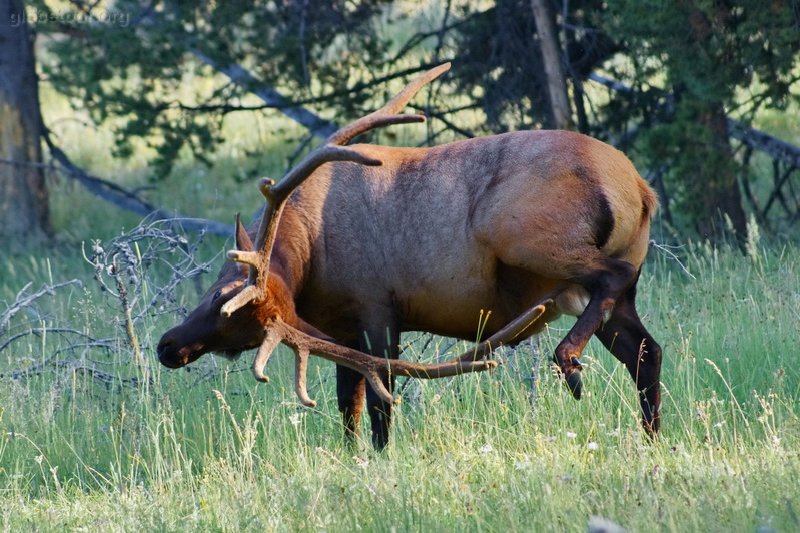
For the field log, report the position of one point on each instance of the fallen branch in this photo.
(127, 200)
(24, 300)
(749, 136)
(764, 142)
(318, 126)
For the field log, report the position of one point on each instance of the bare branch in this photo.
(24, 300)
(318, 126)
(50, 331)
(126, 200)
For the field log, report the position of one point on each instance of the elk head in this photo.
(250, 305)
(206, 329)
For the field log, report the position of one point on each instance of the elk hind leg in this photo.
(605, 285)
(628, 340)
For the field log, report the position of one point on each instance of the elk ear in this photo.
(243, 242)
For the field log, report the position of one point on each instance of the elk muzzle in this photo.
(173, 355)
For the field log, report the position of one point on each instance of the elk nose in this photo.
(163, 345)
(164, 351)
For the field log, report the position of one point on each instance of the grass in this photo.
(209, 449)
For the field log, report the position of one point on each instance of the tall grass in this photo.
(209, 449)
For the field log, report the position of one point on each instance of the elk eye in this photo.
(216, 295)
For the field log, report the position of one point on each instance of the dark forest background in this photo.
(702, 94)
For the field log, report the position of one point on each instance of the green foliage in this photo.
(139, 73)
(709, 53)
(710, 49)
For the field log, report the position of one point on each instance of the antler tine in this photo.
(403, 97)
(507, 334)
(332, 150)
(324, 154)
(394, 106)
(268, 345)
(376, 369)
(300, 370)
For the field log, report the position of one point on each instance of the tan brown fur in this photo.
(537, 221)
(434, 238)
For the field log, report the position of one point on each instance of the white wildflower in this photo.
(523, 464)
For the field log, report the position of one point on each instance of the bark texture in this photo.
(23, 193)
(560, 110)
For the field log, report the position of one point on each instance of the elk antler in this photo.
(332, 150)
(376, 369)
(276, 330)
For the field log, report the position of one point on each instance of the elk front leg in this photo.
(383, 342)
(350, 392)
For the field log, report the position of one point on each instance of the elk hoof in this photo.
(574, 383)
(650, 431)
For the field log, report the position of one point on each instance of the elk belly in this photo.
(573, 301)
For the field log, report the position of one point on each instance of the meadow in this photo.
(96, 436)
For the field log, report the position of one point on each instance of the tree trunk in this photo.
(560, 110)
(23, 195)
(718, 190)
(720, 194)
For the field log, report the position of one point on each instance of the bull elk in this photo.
(359, 243)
